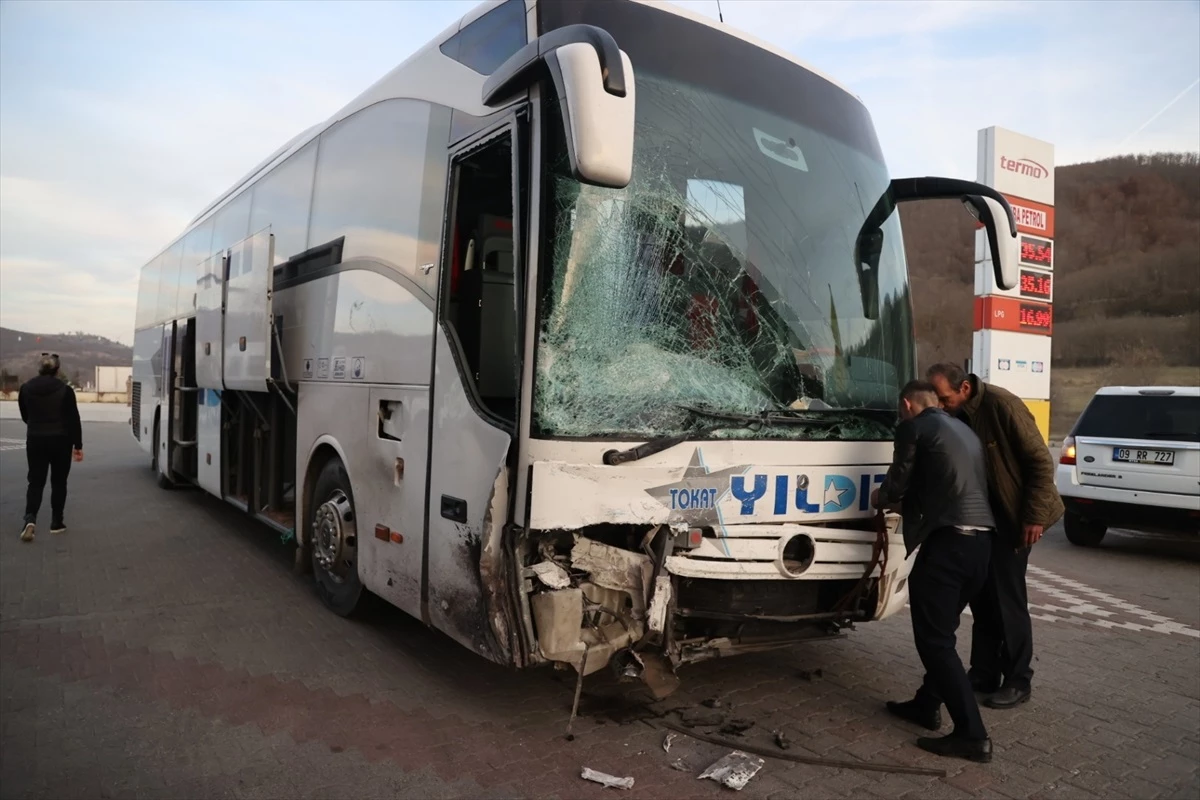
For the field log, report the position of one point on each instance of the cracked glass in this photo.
(730, 275)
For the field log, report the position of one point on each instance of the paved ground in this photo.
(163, 648)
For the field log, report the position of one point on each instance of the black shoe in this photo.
(957, 747)
(27, 532)
(984, 685)
(58, 527)
(917, 714)
(1008, 697)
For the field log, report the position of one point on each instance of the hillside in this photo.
(1126, 271)
(80, 353)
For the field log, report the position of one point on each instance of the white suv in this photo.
(1133, 461)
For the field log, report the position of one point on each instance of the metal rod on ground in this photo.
(819, 762)
(578, 694)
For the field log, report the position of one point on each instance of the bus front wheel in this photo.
(333, 540)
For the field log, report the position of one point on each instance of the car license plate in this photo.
(1133, 455)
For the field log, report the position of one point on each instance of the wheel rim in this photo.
(334, 536)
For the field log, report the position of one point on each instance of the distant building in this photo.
(113, 380)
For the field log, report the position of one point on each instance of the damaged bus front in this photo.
(713, 361)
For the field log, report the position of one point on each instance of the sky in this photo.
(120, 121)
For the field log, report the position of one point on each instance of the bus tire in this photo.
(333, 540)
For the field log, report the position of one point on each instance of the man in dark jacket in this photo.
(938, 478)
(53, 430)
(1025, 502)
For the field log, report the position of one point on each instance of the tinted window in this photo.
(369, 183)
(487, 42)
(195, 251)
(281, 200)
(1141, 417)
(232, 223)
(168, 283)
(147, 296)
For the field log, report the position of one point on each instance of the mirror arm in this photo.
(904, 189)
(522, 68)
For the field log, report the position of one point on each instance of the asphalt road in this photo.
(164, 648)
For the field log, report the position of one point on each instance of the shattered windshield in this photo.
(724, 277)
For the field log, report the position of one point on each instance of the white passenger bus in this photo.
(577, 336)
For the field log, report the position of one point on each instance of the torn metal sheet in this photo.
(734, 770)
(551, 574)
(614, 568)
(660, 604)
(658, 675)
(605, 779)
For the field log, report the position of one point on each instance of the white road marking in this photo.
(1087, 608)
(1083, 607)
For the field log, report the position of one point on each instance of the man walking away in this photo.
(53, 430)
(938, 478)
(1025, 502)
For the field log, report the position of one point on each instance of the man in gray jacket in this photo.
(52, 431)
(939, 480)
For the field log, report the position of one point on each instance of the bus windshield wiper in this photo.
(657, 445)
(738, 419)
(835, 415)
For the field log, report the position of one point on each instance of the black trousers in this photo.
(47, 454)
(1002, 633)
(951, 568)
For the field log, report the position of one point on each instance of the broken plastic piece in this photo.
(606, 779)
(680, 765)
(551, 574)
(734, 770)
(736, 727)
(667, 742)
(781, 741)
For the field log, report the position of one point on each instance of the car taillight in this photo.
(1068, 451)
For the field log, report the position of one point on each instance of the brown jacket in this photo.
(1020, 468)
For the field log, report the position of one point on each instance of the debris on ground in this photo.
(734, 770)
(658, 675)
(680, 765)
(712, 702)
(667, 742)
(736, 727)
(781, 741)
(806, 675)
(606, 779)
(693, 717)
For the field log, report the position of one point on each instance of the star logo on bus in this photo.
(836, 489)
(696, 496)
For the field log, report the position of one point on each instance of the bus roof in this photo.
(456, 85)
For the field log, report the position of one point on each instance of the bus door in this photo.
(475, 388)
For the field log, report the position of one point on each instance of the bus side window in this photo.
(480, 304)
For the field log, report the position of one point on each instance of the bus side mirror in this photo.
(593, 79)
(983, 202)
(1002, 238)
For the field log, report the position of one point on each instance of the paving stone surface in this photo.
(164, 648)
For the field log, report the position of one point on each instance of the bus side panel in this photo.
(208, 441)
(466, 457)
(147, 369)
(164, 361)
(361, 342)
